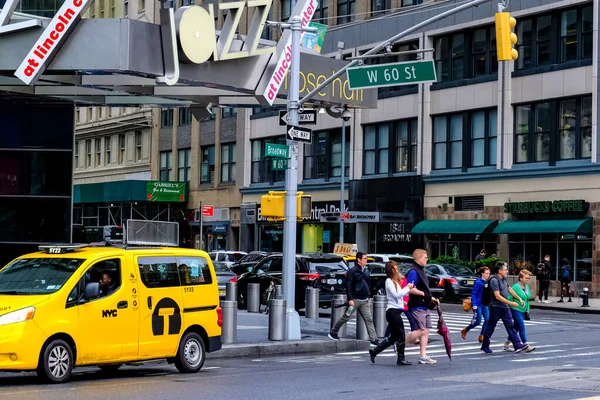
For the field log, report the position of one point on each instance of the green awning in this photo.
(547, 226)
(459, 226)
(130, 191)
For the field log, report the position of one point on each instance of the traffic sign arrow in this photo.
(299, 134)
(305, 117)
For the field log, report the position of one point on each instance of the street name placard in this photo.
(395, 74)
(277, 150)
(305, 117)
(299, 134)
(279, 164)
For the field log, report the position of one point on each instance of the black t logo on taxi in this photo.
(166, 307)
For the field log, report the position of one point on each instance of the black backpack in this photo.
(487, 294)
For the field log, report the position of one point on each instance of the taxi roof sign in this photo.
(348, 249)
(60, 248)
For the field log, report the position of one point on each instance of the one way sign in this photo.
(305, 117)
(299, 134)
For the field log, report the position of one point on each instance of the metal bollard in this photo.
(312, 303)
(277, 310)
(379, 305)
(585, 297)
(229, 329)
(336, 313)
(231, 291)
(278, 292)
(361, 327)
(253, 300)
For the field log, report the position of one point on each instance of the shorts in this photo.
(422, 319)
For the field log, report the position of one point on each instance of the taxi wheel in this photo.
(191, 354)
(56, 362)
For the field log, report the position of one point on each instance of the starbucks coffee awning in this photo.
(447, 227)
(585, 225)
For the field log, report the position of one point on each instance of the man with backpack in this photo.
(500, 310)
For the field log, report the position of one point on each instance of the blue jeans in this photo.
(504, 314)
(519, 318)
(482, 311)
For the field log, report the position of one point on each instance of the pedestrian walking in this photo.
(520, 313)
(482, 254)
(479, 309)
(358, 291)
(543, 274)
(500, 310)
(395, 306)
(419, 303)
(565, 280)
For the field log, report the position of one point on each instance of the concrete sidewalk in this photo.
(574, 306)
(253, 338)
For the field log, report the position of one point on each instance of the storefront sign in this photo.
(543, 207)
(46, 47)
(166, 191)
(353, 216)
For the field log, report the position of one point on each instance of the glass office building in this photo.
(43, 8)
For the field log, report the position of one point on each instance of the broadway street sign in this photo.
(404, 73)
(305, 117)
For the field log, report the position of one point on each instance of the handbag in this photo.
(467, 305)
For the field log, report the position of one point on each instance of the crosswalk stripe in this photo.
(593, 353)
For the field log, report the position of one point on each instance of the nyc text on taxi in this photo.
(68, 306)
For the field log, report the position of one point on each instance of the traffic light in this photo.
(505, 37)
(272, 206)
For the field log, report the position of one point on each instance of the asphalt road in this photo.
(565, 365)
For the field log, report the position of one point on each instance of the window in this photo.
(121, 149)
(346, 10)
(286, 9)
(126, 8)
(141, 5)
(322, 13)
(448, 141)
(159, 272)
(166, 118)
(378, 7)
(555, 130)
(112, 268)
(540, 43)
(406, 146)
(229, 112)
(138, 145)
(261, 165)
(77, 154)
(88, 153)
(102, 8)
(184, 162)
(323, 158)
(207, 166)
(107, 148)
(165, 166)
(98, 152)
(194, 271)
(483, 138)
(336, 155)
(78, 115)
(228, 160)
(88, 114)
(185, 116)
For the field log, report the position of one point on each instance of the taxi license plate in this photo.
(221, 292)
(470, 282)
(331, 281)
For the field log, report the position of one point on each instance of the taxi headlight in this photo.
(22, 315)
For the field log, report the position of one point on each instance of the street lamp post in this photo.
(345, 118)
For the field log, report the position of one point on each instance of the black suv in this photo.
(325, 272)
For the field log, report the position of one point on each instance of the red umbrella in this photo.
(442, 329)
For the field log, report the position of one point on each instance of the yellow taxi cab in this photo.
(348, 253)
(75, 305)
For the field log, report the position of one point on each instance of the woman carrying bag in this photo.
(393, 314)
(479, 310)
(521, 313)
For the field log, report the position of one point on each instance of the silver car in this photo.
(224, 275)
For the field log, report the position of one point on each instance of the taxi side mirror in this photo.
(92, 290)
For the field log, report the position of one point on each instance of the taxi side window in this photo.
(194, 271)
(111, 267)
(159, 272)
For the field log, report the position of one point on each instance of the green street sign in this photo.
(277, 150)
(166, 191)
(279, 164)
(395, 74)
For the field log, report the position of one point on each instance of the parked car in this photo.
(378, 277)
(247, 262)
(227, 256)
(224, 275)
(457, 281)
(325, 272)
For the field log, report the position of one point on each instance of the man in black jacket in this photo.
(357, 289)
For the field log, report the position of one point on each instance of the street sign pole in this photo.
(343, 176)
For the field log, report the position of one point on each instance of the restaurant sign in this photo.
(545, 207)
(166, 191)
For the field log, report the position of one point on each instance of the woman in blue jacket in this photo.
(479, 310)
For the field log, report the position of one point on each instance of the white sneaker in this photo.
(547, 301)
(538, 300)
(508, 346)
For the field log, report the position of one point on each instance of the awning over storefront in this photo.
(130, 191)
(459, 226)
(585, 225)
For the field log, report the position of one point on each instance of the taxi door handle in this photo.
(150, 302)
(122, 304)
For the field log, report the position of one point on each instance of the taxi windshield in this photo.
(37, 275)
